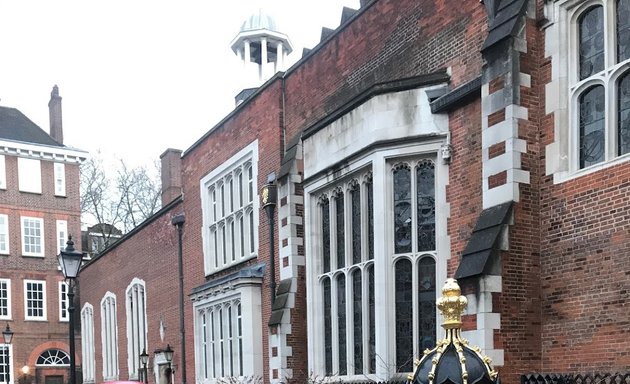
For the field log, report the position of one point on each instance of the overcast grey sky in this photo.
(137, 76)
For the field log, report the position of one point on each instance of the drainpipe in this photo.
(178, 221)
(269, 196)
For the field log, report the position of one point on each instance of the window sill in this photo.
(232, 265)
(31, 192)
(561, 177)
(35, 320)
(33, 255)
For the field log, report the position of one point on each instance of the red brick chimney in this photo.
(54, 111)
(171, 175)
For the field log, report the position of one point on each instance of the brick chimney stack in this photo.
(54, 111)
(171, 161)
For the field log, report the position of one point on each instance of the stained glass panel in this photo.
(623, 123)
(404, 315)
(357, 305)
(340, 231)
(341, 322)
(327, 327)
(425, 180)
(370, 207)
(402, 210)
(623, 30)
(592, 130)
(591, 42)
(426, 303)
(325, 206)
(355, 196)
(372, 314)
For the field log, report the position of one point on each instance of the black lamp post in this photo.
(70, 262)
(168, 355)
(144, 359)
(7, 335)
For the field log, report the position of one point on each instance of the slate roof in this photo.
(505, 21)
(15, 126)
(484, 244)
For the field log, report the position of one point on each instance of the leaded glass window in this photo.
(348, 330)
(357, 307)
(327, 326)
(426, 302)
(623, 30)
(370, 210)
(603, 44)
(591, 42)
(355, 197)
(230, 213)
(623, 122)
(425, 188)
(325, 210)
(592, 136)
(341, 323)
(340, 230)
(404, 315)
(402, 209)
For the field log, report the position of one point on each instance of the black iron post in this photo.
(73, 369)
(70, 261)
(179, 221)
(268, 198)
(7, 335)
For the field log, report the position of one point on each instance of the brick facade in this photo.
(554, 299)
(34, 337)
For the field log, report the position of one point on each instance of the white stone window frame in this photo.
(247, 292)
(381, 162)
(59, 171)
(43, 316)
(64, 301)
(88, 353)
(62, 235)
(3, 350)
(565, 88)
(6, 286)
(109, 337)
(217, 221)
(29, 175)
(137, 329)
(4, 235)
(3, 173)
(24, 220)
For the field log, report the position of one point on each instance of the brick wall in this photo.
(151, 255)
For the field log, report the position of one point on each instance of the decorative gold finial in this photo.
(452, 304)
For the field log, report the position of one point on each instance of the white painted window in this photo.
(5, 299)
(6, 361)
(3, 173)
(62, 235)
(63, 301)
(109, 337)
(136, 326)
(591, 66)
(29, 175)
(34, 300)
(4, 234)
(32, 236)
(88, 356)
(372, 298)
(60, 179)
(228, 342)
(230, 216)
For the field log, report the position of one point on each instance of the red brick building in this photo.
(419, 140)
(39, 207)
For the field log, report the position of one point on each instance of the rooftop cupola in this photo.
(452, 360)
(261, 47)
